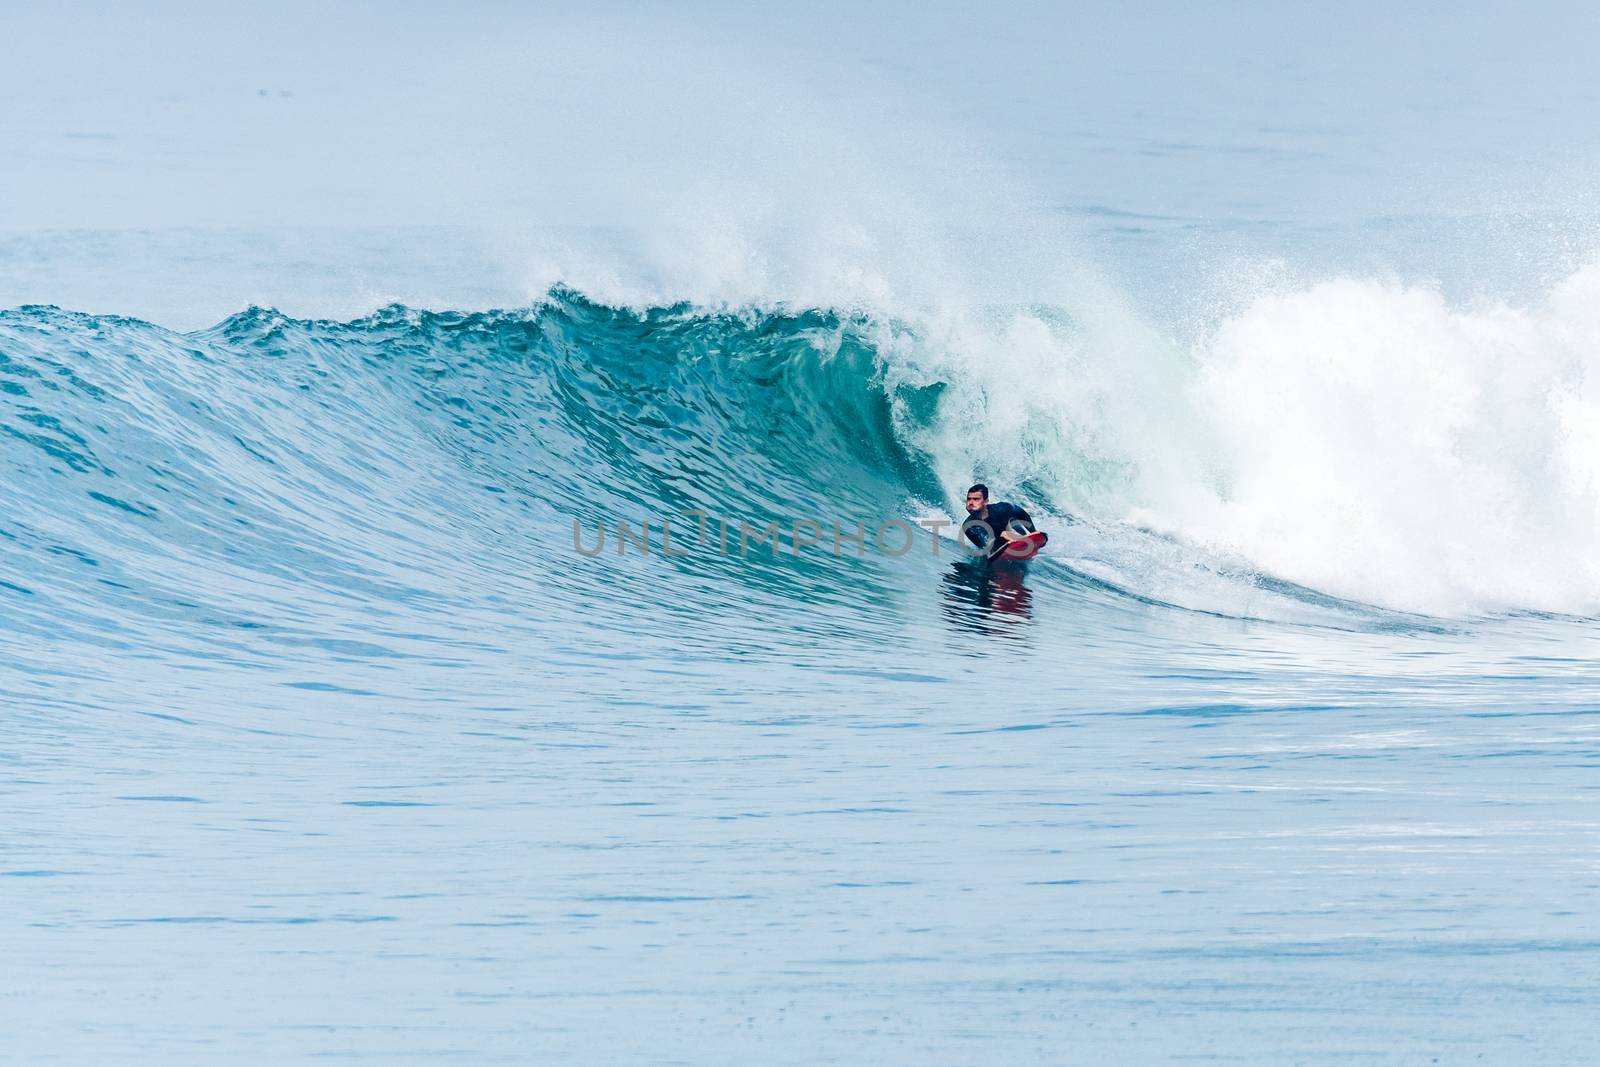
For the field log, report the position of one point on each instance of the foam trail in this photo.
(1377, 442)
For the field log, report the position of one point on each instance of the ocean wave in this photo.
(1349, 443)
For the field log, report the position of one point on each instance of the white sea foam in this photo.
(1365, 438)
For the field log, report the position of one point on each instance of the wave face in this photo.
(279, 473)
(1344, 444)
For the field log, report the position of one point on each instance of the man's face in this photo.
(975, 503)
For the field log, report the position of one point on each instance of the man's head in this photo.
(977, 498)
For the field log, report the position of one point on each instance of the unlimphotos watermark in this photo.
(705, 533)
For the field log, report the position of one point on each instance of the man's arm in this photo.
(1017, 514)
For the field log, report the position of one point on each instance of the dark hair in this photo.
(979, 488)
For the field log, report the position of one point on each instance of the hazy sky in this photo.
(172, 114)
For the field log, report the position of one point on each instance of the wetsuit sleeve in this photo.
(1009, 514)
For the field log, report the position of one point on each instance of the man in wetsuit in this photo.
(986, 521)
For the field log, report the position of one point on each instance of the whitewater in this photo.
(328, 731)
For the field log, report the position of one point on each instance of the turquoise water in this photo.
(327, 734)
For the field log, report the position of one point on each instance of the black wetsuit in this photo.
(1001, 515)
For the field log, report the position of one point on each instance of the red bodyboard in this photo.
(1024, 548)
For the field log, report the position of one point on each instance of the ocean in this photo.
(538, 640)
